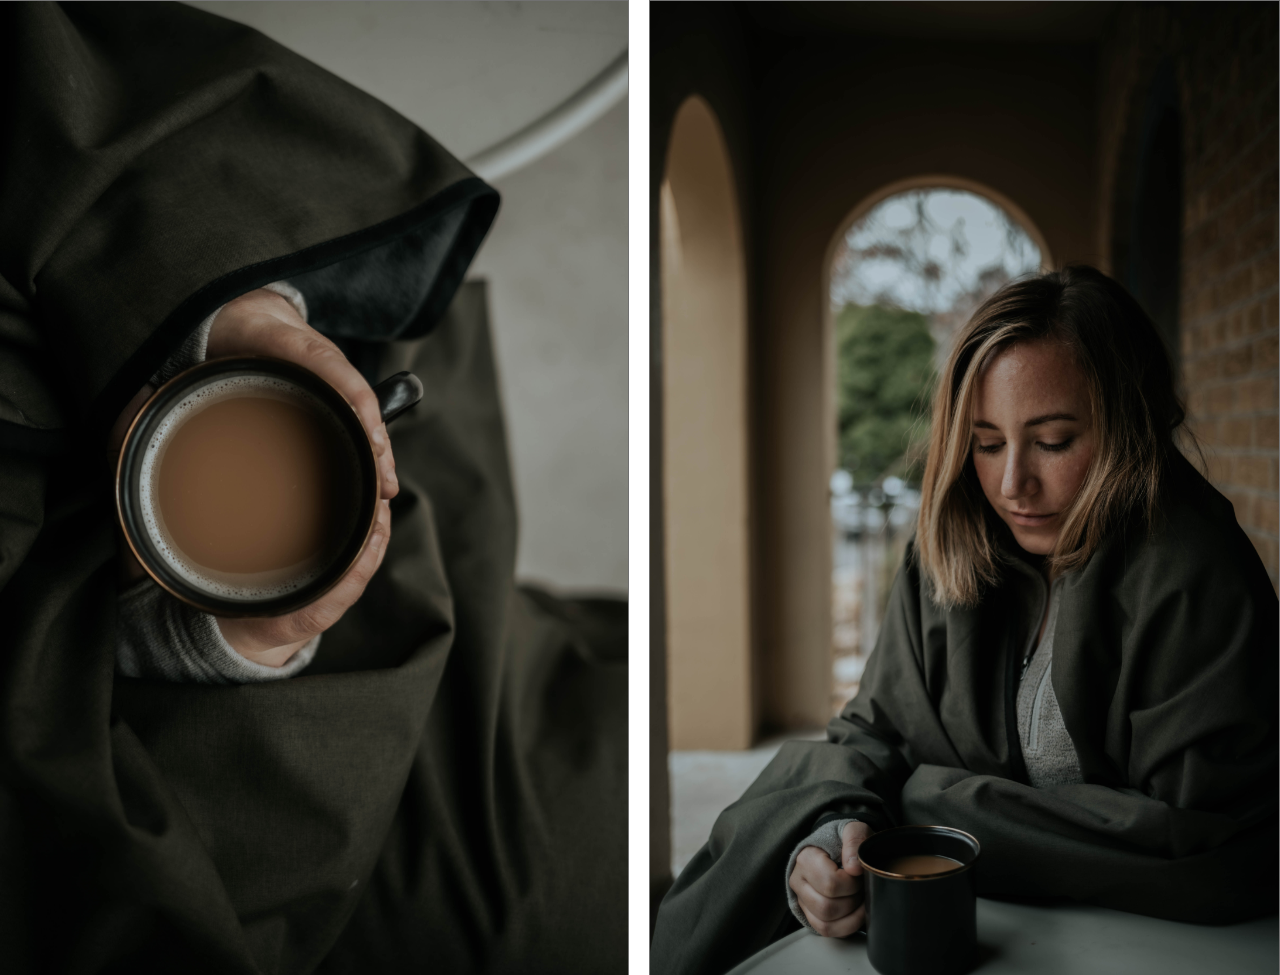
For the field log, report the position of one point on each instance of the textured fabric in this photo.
(162, 638)
(357, 817)
(444, 787)
(1046, 744)
(496, 858)
(1164, 667)
(379, 295)
(1047, 751)
(190, 353)
(193, 349)
(161, 144)
(827, 839)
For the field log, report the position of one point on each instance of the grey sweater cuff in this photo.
(192, 352)
(826, 838)
(162, 638)
(291, 294)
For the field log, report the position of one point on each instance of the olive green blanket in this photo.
(444, 789)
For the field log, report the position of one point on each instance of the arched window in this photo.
(704, 438)
(905, 275)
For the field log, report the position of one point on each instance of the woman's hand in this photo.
(273, 640)
(830, 896)
(263, 323)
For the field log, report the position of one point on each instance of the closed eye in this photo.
(1055, 447)
(990, 448)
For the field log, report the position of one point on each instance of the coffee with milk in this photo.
(247, 488)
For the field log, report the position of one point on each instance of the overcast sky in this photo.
(959, 233)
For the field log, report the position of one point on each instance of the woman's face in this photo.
(1033, 439)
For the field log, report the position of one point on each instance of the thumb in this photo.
(852, 835)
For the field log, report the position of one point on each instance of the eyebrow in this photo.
(1035, 421)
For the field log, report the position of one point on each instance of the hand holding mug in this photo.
(832, 897)
(262, 323)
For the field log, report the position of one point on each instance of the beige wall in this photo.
(703, 55)
(704, 440)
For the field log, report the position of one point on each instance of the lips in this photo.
(1028, 520)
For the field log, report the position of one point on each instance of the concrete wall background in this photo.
(556, 262)
(468, 72)
(471, 74)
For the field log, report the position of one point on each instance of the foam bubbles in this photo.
(247, 587)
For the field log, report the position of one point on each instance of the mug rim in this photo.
(128, 500)
(887, 875)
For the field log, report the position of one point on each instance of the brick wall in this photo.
(1227, 66)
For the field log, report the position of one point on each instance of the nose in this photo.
(1019, 480)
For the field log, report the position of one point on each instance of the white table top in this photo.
(1070, 939)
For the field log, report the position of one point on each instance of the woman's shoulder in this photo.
(1195, 543)
(1197, 517)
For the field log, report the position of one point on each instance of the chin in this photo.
(1035, 542)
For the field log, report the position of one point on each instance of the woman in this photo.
(1077, 663)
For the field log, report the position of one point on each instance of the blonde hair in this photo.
(1135, 413)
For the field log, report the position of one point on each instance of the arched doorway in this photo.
(704, 437)
(905, 273)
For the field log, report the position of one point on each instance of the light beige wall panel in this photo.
(705, 441)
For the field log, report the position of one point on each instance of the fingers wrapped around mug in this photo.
(273, 640)
(851, 838)
(831, 898)
(263, 323)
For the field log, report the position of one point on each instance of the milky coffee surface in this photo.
(248, 493)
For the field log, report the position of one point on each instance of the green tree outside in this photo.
(884, 380)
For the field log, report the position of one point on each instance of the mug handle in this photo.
(396, 394)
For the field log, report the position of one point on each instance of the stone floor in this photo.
(704, 783)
